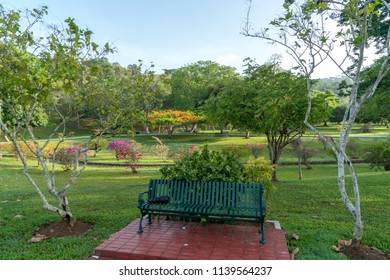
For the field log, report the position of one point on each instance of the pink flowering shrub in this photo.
(67, 156)
(128, 150)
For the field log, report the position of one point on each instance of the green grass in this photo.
(107, 197)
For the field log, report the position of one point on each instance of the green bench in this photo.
(209, 200)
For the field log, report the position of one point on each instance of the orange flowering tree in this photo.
(172, 119)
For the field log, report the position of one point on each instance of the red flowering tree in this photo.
(172, 119)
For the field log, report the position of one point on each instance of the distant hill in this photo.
(331, 83)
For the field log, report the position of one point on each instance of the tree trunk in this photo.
(274, 155)
(247, 134)
(170, 129)
(354, 209)
(147, 129)
(299, 169)
(194, 128)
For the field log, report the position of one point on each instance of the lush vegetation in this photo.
(107, 197)
(62, 77)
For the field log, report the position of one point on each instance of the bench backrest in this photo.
(234, 195)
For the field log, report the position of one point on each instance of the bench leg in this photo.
(262, 241)
(140, 223)
(149, 219)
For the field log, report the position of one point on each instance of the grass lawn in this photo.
(107, 197)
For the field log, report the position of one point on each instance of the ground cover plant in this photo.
(106, 197)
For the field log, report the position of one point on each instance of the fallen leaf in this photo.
(294, 252)
(38, 238)
(18, 216)
(336, 248)
(283, 215)
(295, 236)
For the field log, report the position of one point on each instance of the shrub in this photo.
(240, 151)
(256, 149)
(260, 170)
(97, 144)
(68, 156)
(160, 150)
(304, 154)
(206, 165)
(366, 128)
(128, 150)
(378, 155)
(353, 148)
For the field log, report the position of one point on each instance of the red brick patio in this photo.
(179, 240)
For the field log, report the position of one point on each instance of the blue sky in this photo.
(169, 33)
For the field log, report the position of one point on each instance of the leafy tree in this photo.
(374, 110)
(304, 30)
(193, 84)
(280, 106)
(226, 106)
(33, 71)
(171, 119)
(328, 101)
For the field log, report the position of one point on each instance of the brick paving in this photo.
(179, 240)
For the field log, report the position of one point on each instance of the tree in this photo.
(34, 71)
(122, 95)
(226, 106)
(374, 110)
(305, 30)
(328, 101)
(171, 119)
(193, 84)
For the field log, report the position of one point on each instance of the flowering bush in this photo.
(68, 156)
(128, 150)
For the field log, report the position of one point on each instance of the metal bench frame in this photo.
(230, 201)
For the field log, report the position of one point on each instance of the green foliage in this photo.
(378, 155)
(97, 144)
(160, 150)
(13, 114)
(206, 165)
(260, 170)
(256, 149)
(193, 84)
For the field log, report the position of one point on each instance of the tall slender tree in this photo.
(312, 32)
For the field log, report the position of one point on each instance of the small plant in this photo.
(97, 144)
(378, 155)
(240, 151)
(68, 156)
(304, 154)
(353, 148)
(260, 170)
(128, 150)
(160, 150)
(256, 149)
(366, 128)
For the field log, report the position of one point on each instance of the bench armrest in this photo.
(141, 201)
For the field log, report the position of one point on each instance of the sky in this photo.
(171, 33)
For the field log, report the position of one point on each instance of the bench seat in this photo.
(231, 201)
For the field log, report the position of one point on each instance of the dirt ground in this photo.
(363, 252)
(60, 229)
